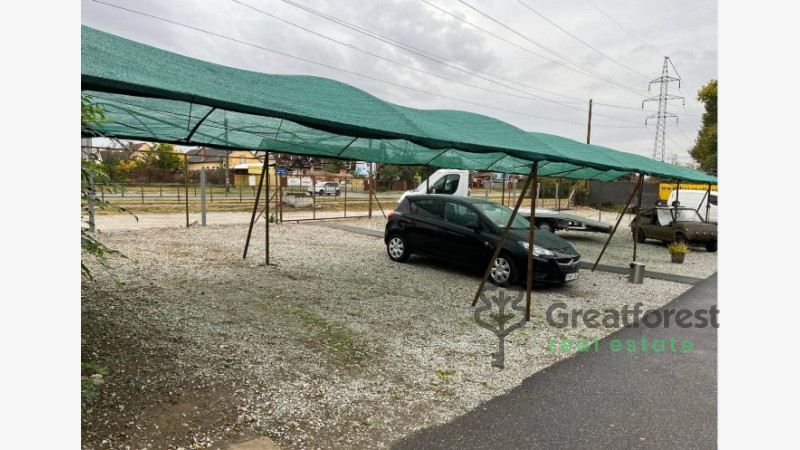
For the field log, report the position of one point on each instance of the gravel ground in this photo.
(330, 346)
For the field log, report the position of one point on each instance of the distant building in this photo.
(213, 158)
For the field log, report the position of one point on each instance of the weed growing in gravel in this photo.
(345, 346)
(443, 374)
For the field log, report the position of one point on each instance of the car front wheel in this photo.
(546, 226)
(640, 236)
(504, 271)
(397, 248)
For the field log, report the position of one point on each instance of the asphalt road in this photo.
(619, 400)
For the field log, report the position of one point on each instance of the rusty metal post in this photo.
(501, 242)
(614, 230)
(345, 197)
(638, 208)
(186, 185)
(531, 237)
(379, 204)
(280, 199)
(503, 189)
(313, 197)
(675, 214)
(708, 203)
(255, 209)
(266, 213)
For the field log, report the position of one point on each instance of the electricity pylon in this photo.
(662, 114)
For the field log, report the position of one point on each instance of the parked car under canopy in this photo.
(466, 230)
(659, 223)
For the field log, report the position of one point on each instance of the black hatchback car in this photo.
(466, 230)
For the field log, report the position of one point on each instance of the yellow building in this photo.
(213, 159)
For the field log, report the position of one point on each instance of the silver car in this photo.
(326, 188)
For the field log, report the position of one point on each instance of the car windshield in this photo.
(499, 215)
(684, 215)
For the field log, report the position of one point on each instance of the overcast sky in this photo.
(532, 63)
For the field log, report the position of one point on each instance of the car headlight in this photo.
(537, 251)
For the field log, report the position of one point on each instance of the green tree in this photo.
(164, 157)
(333, 165)
(391, 172)
(705, 148)
(93, 177)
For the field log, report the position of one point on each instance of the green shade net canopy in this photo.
(153, 95)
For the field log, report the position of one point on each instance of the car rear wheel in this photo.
(338, 192)
(546, 226)
(681, 239)
(640, 236)
(711, 246)
(504, 271)
(397, 248)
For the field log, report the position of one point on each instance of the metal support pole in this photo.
(370, 195)
(379, 204)
(539, 194)
(313, 197)
(501, 242)
(675, 214)
(638, 208)
(266, 213)
(186, 185)
(558, 199)
(202, 197)
(614, 230)
(708, 203)
(531, 236)
(503, 189)
(255, 209)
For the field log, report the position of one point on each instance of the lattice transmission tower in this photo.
(662, 114)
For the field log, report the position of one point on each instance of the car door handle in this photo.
(446, 233)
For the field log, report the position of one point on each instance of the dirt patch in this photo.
(148, 399)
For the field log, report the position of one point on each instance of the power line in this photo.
(350, 72)
(580, 40)
(515, 45)
(428, 55)
(587, 70)
(623, 28)
(238, 41)
(383, 58)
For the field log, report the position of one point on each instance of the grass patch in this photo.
(343, 346)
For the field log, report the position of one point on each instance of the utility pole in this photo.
(589, 127)
(662, 114)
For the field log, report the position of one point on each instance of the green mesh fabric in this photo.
(152, 95)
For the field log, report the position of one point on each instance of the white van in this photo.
(699, 200)
(443, 181)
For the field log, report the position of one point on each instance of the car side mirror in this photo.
(431, 191)
(474, 226)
